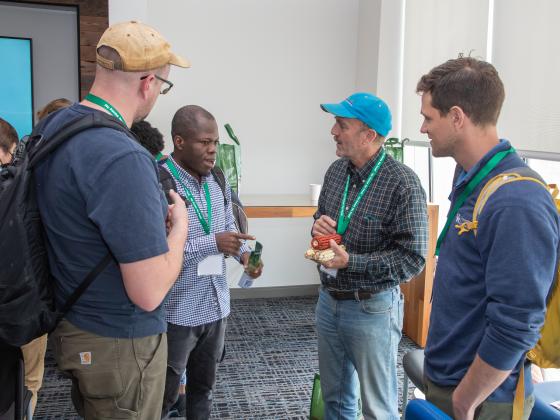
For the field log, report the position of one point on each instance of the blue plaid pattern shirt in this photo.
(387, 236)
(196, 300)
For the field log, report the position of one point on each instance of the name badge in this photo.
(211, 265)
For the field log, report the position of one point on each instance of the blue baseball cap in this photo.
(365, 107)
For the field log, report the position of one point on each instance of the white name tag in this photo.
(211, 265)
(328, 271)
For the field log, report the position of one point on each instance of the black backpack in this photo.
(168, 182)
(26, 287)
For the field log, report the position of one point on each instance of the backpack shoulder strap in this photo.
(496, 182)
(164, 173)
(41, 147)
(220, 178)
(239, 215)
(167, 181)
(513, 175)
(86, 282)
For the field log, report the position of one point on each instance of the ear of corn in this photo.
(320, 255)
(321, 242)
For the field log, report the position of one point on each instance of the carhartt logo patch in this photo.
(85, 357)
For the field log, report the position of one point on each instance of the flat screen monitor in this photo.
(16, 89)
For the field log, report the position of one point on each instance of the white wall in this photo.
(526, 55)
(285, 241)
(368, 48)
(389, 72)
(264, 66)
(122, 10)
(434, 31)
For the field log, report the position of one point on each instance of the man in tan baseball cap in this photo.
(133, 63)
(140, 47)
(100, 195)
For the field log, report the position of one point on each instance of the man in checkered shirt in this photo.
(379, 207)
(198, 305)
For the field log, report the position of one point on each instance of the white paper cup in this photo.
(314, 192)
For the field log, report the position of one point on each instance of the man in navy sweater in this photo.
(490, 288)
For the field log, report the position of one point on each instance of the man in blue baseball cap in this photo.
(378, 207)
(365, 107)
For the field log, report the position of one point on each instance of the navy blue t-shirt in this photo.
(97, 192)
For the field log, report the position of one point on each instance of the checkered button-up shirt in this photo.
(387, 235)
(197, 300)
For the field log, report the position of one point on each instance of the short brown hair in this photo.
(471, 84)
(52, 106)
(8, 136)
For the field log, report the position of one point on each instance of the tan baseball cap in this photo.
(140, 47)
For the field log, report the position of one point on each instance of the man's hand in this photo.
(340, 259)
(252, 273)
(229, 243)
(324, 225)
(177, 216)
(460, 411)
(478, 383)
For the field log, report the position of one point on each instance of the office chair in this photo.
(413, 366)
(424, 410)
(545, 393)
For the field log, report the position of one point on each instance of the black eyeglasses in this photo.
(164, 90)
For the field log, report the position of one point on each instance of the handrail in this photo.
(529, 154)
(417, 143)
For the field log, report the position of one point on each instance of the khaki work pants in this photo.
(34, 360)
(112, 378)
(440, 396)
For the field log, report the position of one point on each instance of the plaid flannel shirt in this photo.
(387, 235)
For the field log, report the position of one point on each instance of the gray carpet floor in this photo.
(271, 358)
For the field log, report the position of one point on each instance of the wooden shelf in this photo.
(273, 206)
(255, 212)
(418, 292)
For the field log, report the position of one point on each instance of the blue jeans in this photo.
(358, 343)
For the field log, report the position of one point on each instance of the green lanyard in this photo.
(480, 175)
(344, 221)
(205, 224)
(103, 103)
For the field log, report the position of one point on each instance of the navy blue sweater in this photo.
(489, 294)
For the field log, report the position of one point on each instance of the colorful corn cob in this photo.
(321, 242)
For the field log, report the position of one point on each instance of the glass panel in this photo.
(16, 89)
